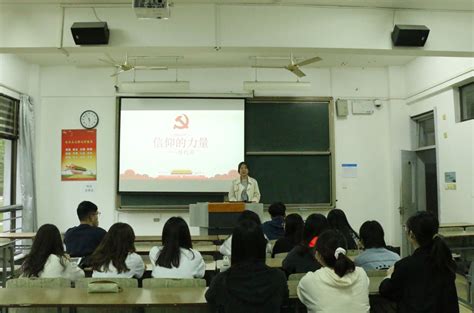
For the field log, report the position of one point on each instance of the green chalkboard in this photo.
(292, 179)
(286, 126)
(288, 149)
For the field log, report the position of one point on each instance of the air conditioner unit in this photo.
(159, 9)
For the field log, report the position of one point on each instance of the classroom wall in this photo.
(67, 91)
(432, 85)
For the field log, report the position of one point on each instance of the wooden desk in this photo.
(455, 234)
(193, 238)
(275, 263)
(144, 249)
(211, 266)
(76, 297)
(13, 236)
(462, 225)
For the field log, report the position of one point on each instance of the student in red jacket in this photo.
(424, 281)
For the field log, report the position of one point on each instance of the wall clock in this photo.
(89, 119)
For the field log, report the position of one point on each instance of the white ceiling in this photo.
(228, 57)
(451, 5)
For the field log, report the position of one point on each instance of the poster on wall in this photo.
(78, 155)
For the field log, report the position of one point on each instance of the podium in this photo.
(219, 218)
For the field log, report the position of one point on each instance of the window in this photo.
(425, 130)
(9, 108)
(466, 93)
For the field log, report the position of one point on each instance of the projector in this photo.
(159, 9)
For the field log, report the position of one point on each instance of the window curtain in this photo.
(26, 164)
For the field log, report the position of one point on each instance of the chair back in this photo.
(280, 255)
(174, 283)
(35, 282)
(296, 276)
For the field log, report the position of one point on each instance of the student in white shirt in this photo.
(176, 258)
(115, 256)
(47, 258)
(339, 286)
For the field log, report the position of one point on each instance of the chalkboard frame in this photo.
(330, 152)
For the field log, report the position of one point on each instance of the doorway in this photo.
(419, 182)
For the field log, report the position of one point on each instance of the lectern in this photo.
(219, 218)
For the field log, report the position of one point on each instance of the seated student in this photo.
(248, 285)
(424, 281)
(294, 225)
(176, 258)
(338, 286)
(375, 255)
(115, 256)
(275, 228)
(82, 240)
(301, 258)
(226, 248)
(337, 220)
(47, 258)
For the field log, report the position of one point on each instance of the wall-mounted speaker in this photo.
(410, 35)
(90, 33)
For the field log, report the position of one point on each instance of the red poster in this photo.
(78, 155)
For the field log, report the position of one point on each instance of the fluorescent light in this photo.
(153, 86)
(275, 85)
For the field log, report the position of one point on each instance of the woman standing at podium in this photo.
(244, 188)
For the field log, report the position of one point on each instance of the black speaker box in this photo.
(90, 33)
(410, 35)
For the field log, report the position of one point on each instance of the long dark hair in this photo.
(294, 225)
(248, 243)
(176, 235)
(337, 220)
(47, 241)
(249, 215)
(372, 235)
(114, 248)
(314, 225)
(326, 246)
(424, 226)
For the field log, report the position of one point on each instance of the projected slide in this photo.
(180, 145)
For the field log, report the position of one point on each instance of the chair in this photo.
(34, 282)
(174, 283)
(296, 276)
(122, 282)
(208, 258)
(280, 255)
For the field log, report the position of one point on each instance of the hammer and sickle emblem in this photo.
(182, 122)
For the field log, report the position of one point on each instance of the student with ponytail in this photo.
(339, 286)
(424, 281)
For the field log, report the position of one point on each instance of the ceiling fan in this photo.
(125, 66)
(293, 66)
